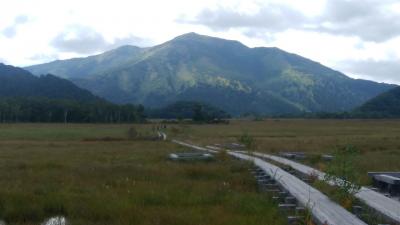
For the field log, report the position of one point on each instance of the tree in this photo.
(198, 115)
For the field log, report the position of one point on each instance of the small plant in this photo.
(223, 155)
(248, 141)
(274, 175)
(313, 176)
(133, 133)
(343, 173)
(307, 217)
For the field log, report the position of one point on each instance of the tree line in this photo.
(40, 109)
(197, 111)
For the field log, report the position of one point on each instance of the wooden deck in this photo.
(382, 204)
(322, 208)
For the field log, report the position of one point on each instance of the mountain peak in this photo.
(190, 35)
(126, 47)
(193, 37)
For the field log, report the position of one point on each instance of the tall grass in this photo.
(377, 140)
(126, 182)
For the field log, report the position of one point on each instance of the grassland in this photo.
(378, 141)
(49, 169)
(93, 174)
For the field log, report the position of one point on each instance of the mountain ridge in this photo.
(17, 82)
(214, 70)
(28, 98)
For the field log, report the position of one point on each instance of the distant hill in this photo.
(219, 72)
(27, 98)
(384, 105)
(187, 110)
(16, 82)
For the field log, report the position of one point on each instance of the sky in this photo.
(358, 37)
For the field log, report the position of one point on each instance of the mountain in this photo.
(384, 105)
(219, 72)
(16, 82)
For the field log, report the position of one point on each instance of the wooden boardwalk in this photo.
(382, 204)
(322, 208)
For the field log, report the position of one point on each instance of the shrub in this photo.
(247, 140)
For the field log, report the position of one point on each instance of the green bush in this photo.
(247, 140)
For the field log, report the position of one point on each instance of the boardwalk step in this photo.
(287, 206)
(258, 173)
(266, 182)
(283, 194)
(290, 200)
(300, 210)
(271, 186)
(263, 176)
(272, 190)
(277, 199)
(292, 220)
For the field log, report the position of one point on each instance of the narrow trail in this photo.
(322, 208)
(377, 201)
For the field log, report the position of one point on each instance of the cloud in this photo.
(383, 70)
(85, 40)
(370, 20)
(273, 17)
(11, 30)
(3, 61)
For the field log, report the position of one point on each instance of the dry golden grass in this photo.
(48, 170)
(377, 140)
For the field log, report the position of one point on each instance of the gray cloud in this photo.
(270, 18)
(85, 40)
(371, 20)
(388, 70)
(11, 30)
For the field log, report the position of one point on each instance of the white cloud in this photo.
(11, 30)
(328, 31)
(383, 70)
(3, 61)
(85, 40)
